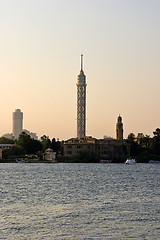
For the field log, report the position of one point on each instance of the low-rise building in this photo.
(4, 146)
(106, 148)
(8, 135)
(31, 134)
(50, 155)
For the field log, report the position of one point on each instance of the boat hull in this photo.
(130, 161)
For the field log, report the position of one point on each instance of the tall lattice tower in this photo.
(81, 103)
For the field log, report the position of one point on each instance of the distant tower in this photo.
(119, 129)
(81, 103)
(17, 123)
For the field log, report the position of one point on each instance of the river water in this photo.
(79, 201)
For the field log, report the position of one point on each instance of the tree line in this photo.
(25, 145)
(142, 147)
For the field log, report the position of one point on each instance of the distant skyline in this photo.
(41, 44)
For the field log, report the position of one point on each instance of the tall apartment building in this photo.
(17, 123)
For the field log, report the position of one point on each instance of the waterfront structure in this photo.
(17, 123)
(106, 148)
(50, 155)
(81, 103)
(119, 128)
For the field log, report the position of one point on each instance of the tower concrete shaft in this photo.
(81, 103)
(119, 129)
(17, 123)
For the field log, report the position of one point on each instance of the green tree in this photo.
(13, 152)
(119, 153)
(157, 132)
(56, 146)
(31, 146)
(131, 137)
(84, 156)
(4, 140)
(46, 142)
(145, 141)
(154, 145)
(135, 148)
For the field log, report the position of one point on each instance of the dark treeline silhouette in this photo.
(27, 145)
(143, 148)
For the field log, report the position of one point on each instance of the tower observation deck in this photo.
(81, 103)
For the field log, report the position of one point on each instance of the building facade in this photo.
(106, 148)
(4, 146)
(31, 134)
(81, 103)
(17, 123)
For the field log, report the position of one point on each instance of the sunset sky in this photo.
(40, 46)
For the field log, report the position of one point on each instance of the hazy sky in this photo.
(40, 46)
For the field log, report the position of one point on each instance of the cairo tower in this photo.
(81, 103)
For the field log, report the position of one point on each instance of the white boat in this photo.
(130, 161)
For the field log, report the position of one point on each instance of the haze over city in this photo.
(41, 44)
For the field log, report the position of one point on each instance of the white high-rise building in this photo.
(81, 103)
(17, 123)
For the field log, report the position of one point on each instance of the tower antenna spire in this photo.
(81, 62)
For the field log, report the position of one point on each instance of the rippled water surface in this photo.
(79, 201)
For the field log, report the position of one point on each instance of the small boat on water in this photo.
(130, 161)
(154, 161)
(20, 161)
(105, 161)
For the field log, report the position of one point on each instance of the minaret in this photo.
(119, 129)
(17, 123)
(81, 103)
